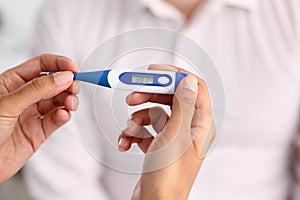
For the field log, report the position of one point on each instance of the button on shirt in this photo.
(255, 45)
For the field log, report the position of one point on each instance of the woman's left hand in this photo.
(174, 157)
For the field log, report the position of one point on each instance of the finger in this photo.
(202, 121)
(136, 133)
(203, 141)
(34, 91)
(69, 101)
(203, 111)
(46, 62)
(155, 116)
(203, 128)
(125, 141)
(18, 76)
(183, 108)
(74, 88)
(55, 120)
(145, 144)
(137, 98)
(159, 118)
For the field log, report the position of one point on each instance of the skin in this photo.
(169, 182)
(33, 107)
(187, 7)
(190, 120)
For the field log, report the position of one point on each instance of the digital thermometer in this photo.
(150, 81)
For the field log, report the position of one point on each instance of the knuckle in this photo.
(137, 114)
(39, 58)
(154, 111)
(141, 113)
(202, 84)
(138, 119)
(188, 102)
(43, 55)
(38, 85)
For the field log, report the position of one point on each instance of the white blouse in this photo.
(256, 47)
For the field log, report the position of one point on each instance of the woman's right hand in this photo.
(33, 107)
(174, 157)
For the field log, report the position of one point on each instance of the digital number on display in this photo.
(142, 79)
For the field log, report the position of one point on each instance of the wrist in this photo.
(162, 194)
(160, 197)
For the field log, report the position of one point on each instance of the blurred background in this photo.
(16, 23)
(17, 20)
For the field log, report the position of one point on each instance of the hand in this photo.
(33, 107)
(183, 139)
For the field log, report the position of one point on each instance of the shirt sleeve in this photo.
(51, 32)
(62, 169)
(293, 13)
(288, 14)
(293, 7)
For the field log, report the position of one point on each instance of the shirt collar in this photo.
(249, 5)
(162, 9)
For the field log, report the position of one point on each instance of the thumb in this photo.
(175, 138)
(183, 107)
(36, 90)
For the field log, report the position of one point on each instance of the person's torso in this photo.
(255, 59)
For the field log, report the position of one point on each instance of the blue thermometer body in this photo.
(150, 81)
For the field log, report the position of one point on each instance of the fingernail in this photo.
(162, 67)
(129, 123)
(128, 98)
(131, 127)
(190, 83)
(66, 113)
(76, 88)
(121, 143)
(63, 78)
(75, 103)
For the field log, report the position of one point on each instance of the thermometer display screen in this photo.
(142, 79)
